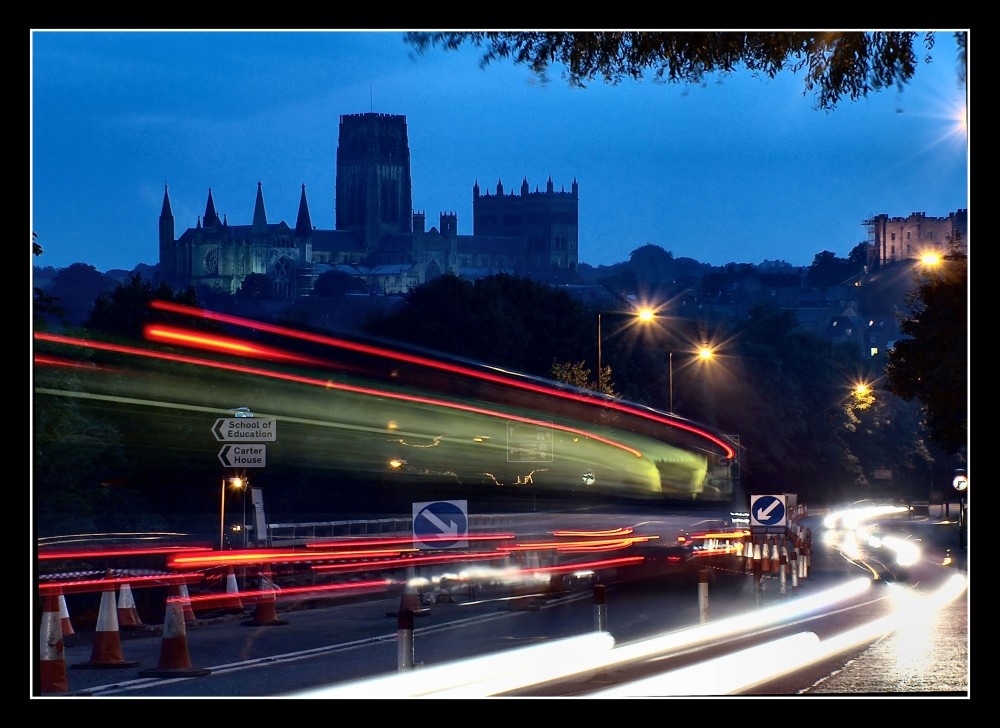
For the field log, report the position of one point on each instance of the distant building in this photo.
(378, 237)
(895, 239)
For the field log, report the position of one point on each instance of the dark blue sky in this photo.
(739, 170)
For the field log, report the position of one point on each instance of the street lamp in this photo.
(644, 315)
(236, 482)
(242, 484)
(704, 352)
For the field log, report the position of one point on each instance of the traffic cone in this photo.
(775, 557)
(107, 650)
(748, 558)
(185, 603)
(174, 658)
(765, 565)
(52, 654)
(232, 603)
(67, 626)
(265, 613)
(128, 615)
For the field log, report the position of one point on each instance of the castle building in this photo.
(895, 239)
(378, 237)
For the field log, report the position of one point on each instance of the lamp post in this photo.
(236, 482)
(222, 515)
(704, 353)
(670, 359)
(599, 351)
(243, 525)
(643, 315)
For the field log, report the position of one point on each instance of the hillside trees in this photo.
(931, 365)
(785, 392)
(503, 320)
(126, 309)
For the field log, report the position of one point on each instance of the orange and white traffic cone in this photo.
(67, 625)
(265, 614)
(232, 603)
(175, 661)
(128, 615)
(107, 650)
(52, 675)
(748, 558)
(775, 556)
(765, 557)
(185, 597)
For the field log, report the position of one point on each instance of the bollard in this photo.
(601, 607)
(794, 569)
(808, 553)
(758, 584)
(404, 637)
(703, 595)
(782, 565)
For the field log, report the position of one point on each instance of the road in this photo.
(342, 644)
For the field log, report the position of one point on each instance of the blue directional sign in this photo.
(767, 510)
(441, 524)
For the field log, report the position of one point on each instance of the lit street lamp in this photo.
(236, 482)
(705, 353)
(243, 485)
(644, 315)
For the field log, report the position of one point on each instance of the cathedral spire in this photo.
(165, 211)
(259, 218)
(303, 224)
(211, 216)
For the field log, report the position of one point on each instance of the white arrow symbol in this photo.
(763, 513)
(448, 528)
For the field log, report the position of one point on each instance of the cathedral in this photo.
(378, 237)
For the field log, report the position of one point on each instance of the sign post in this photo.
(441, 524)
(241, 435)
(961, 484)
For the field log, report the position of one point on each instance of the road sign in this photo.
(243, 456)
(245, 429)
(960, 483)
(528, 443)
(767, 510)
(441, 524)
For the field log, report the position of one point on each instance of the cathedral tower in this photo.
(373, 195)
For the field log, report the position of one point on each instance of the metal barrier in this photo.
(291, 534)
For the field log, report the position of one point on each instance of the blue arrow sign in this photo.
(441, 524)
(767, 510)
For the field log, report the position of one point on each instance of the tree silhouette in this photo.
(931, 364)
(835, 64)
(126, 310)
